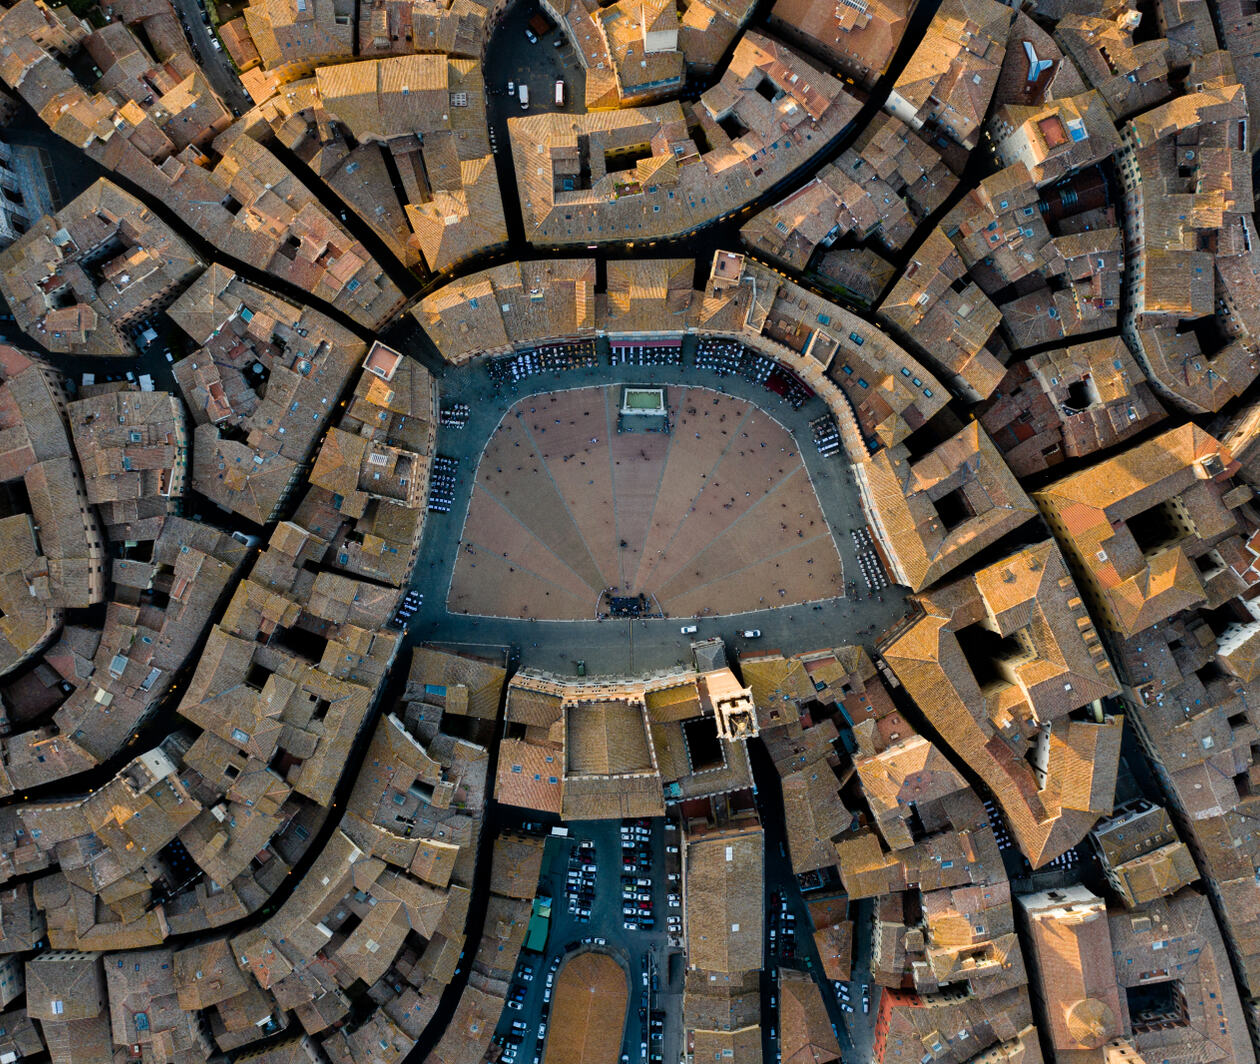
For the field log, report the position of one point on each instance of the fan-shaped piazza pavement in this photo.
(715, 516)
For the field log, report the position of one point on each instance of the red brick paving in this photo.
(638, 465)
(714, 522)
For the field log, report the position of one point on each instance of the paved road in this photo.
(861, 1026)
(783, 896)
(215, 64)
(635, 647)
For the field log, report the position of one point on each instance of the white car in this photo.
(752, 633)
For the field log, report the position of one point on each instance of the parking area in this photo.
(512, 57)
(853, 998)
(781, 925)
(615, 888)
(638, 901)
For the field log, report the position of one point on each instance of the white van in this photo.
(523, 90)
(688, 629)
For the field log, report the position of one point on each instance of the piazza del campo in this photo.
(629, 532)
